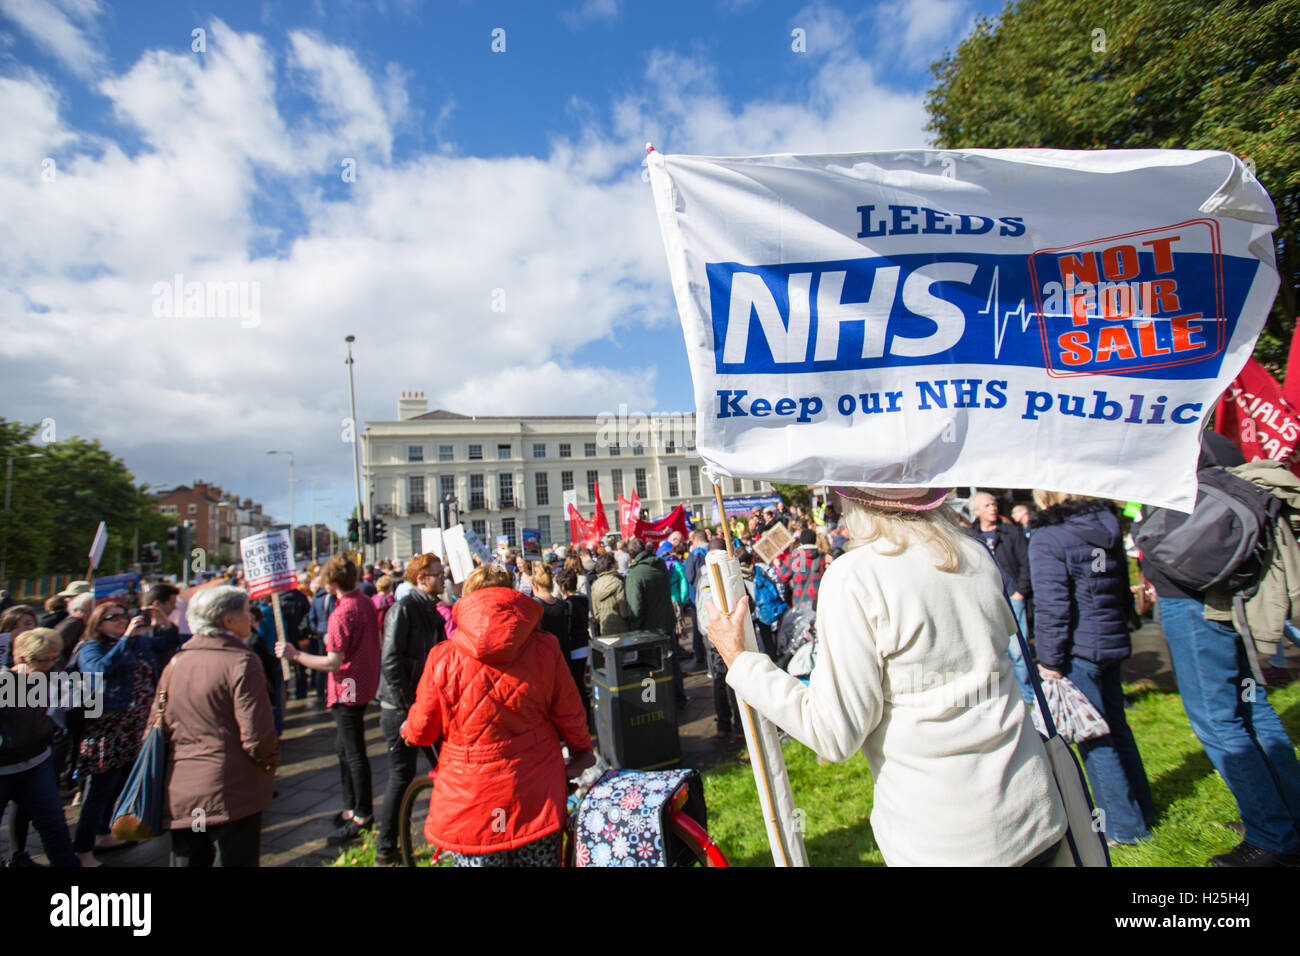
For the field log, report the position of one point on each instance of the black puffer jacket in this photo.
(1082, 601)
(412, 627)
(24, 731)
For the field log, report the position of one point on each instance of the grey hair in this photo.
(209, 608)
(82, 603)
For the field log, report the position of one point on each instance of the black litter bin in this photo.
(635, 704)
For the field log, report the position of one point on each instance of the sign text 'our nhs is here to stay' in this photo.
(1159, 304)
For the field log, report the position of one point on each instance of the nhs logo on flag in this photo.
(851, 314)
(1138, 306)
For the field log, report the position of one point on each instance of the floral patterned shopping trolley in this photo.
(624, 819)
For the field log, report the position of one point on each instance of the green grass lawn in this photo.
(1191, 799)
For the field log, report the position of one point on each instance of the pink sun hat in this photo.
(895, 499)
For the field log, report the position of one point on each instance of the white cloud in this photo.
(927, 25)
(50, 25)
(606, 10)
(550, 389)
(409, 258)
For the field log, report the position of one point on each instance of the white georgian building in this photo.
(509, 473)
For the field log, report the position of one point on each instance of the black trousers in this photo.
(354, 766)
(402, 765)
(235, 843)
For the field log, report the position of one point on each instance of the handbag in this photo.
(139, 810)
(1081, 845)
(1074, 715)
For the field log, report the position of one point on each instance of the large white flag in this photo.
(1009, 318)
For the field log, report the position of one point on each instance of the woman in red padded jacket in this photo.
(498, 697)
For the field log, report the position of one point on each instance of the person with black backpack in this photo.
(1226, 705)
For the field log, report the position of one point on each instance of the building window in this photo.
(589, 449)
(695, 479)
(415, 453)
(566, 450)
(194, 509)
(479, 527)
(543, 490)
(503, 452)
(539, 449)
(475, 452)
(641, 491)
(415, 495)
(735, 486)
(756, 485)
(638, 449)
(592, 478)
(508, 529)
(669, 447)
(506, 490)
(615, 451)
(544, 530)
(476, 499)
(566, 481)
(417, 531)
(446, 487)
(446, 453)
(672, 481)
(690, 443)
(616, 477)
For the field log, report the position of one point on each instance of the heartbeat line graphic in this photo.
(994, 306)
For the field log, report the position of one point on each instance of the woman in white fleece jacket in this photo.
(912, 632)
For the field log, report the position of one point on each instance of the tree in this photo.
(59, 499)
(793, 495)
(1141, 74)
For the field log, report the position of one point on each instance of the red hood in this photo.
(493, 624)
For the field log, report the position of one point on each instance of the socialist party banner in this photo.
(1259, 420)
(268, 563)
(654, 532)
(1010, 318)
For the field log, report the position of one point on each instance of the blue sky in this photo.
(481, 177)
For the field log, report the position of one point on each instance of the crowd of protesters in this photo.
(497, 666)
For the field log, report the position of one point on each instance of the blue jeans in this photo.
(36, 791)
(1112, 763)
(1013, 651)
(1244, 739)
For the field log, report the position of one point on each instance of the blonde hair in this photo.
(1049, 499)
(487, 576)
(33, 643)
(542, 580)
(384, 585)
(937, 529)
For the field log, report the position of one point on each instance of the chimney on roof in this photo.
(412, 405)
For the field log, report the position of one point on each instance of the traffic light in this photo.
(150, 554)
(352, 530)
(379, 532)
(367, 530)
(174, 540)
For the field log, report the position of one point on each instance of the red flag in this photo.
(1291, 387)
(653, 532)
(1255, 415)
(629, 512)
(599, 522)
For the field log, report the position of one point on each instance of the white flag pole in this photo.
(775, 796)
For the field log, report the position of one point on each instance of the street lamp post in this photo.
(9, 483)
(293, 540)
(356, 455)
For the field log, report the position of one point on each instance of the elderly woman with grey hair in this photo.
(221, 743)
